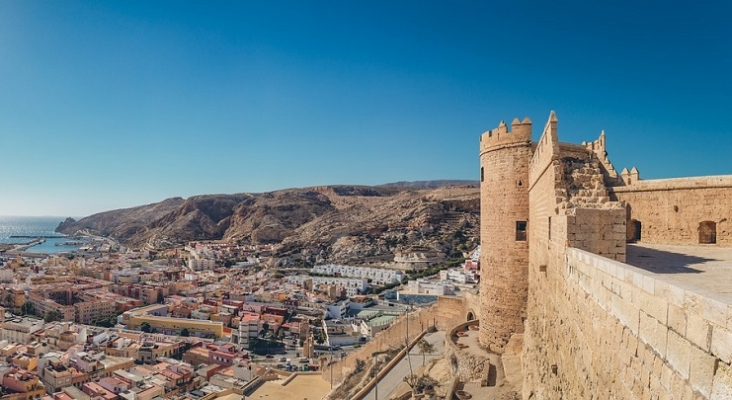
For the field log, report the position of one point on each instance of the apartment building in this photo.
(378, 276)
(19, 329)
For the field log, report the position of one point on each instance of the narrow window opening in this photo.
(520, 231)
(481, 174)
(707, 232)
(634, 229)
(520, 183)
(550, 228)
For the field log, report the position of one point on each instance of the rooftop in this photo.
(306, 386)
(705, 269)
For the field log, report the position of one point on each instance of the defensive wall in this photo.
(679, 211)
(446, 313)
(603, 329)
(595, 327)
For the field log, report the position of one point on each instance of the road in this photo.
(397, 374)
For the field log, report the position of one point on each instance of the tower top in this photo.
(520, 133)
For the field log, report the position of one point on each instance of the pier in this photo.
(37, 236)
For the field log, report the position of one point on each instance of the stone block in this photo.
(722, 343)
(675, 295)
(715, 311)
(679, 354)
(649, 284)
(626, 312)
(701, 370)
(677, 319)
(666, 376)
(632, 345)
(653, 333)
(722, 383)
(694, 302)
(698, 330)
(637, 279)
(650, 304)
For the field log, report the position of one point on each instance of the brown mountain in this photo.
(382, 225)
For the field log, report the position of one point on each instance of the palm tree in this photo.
(425, 348)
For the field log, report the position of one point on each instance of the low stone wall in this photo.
(598, 328)
(453, 388)
(387, 368)
(444, 314)
(466, 367)
(296, 374)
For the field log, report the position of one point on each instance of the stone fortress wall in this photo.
(504, 162)
(596, 327)
(443, 315)
(603, 329)
(679, 211)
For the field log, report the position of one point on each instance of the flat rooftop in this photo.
(704, 268)
(301, 387)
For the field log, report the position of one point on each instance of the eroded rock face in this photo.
(380, 225)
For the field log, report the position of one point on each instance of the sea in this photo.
(35, 227)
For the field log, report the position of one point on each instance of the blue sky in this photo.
(106, 105)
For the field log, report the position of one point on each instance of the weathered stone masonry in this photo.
(596, 328)
(504, 162)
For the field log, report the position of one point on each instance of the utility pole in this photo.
(331, 367)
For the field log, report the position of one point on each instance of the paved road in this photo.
(397, 374)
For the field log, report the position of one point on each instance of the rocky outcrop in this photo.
(365, 225)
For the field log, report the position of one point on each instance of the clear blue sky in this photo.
(106, 105)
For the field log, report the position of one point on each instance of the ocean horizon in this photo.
(34, 227)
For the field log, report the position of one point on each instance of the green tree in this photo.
(27, 308)
(425, 348)
(265, 329)
(52, 315)
(185, 332)
(145, 327)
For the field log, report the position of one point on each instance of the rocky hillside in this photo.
(381, 225)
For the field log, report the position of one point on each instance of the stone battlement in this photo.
(555, 222)
(499, 137)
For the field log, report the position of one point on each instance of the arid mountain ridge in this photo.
(402, 225)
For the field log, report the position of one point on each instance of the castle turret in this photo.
(504, 175)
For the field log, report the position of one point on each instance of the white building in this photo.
(353, 286)
(378, 276)
(422, 286)
(19, 330)
(202, 264)
(6, 275)
(340, 333)
(458, 275)
(338, 309)
(249, 328)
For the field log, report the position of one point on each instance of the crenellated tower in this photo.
(504, 194)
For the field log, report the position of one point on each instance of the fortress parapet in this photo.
(501, 137)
